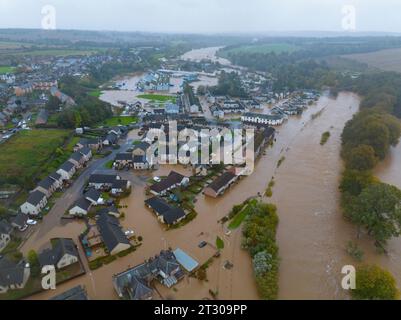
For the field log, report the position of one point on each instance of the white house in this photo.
(81, 207)
(263, 119)
(62, 254)
(67, 170)
(35, 203)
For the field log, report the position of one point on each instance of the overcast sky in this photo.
(204, 16)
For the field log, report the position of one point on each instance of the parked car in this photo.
(157, 179)
(202, 244)
(31, 222)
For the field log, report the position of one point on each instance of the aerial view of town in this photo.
(174, 161)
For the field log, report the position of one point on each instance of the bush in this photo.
(374, 283)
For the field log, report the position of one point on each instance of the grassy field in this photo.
(95, 93)
(157, 97)
(5, 69)
(25, 154)
(115, 121)
(55, 52)
(263, 48)
(388, 60)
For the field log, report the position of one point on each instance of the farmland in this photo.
(115, 121)
(26, 154)
(387, 60)
(6, 69)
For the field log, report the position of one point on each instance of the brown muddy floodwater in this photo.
(311, 235)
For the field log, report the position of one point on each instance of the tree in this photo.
(378, 209)
(34, 263)
(354, 181)
(262, 263)
(374, 283)
(361, 157)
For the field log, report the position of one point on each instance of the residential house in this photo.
(112, 234)
(62, 254)
(165, 212)
(220, 184)
(103, 181)
(77, 159)
(35, 203)
(262, 119)
(200, 170)
(20, 222)
(57, 178)
(86, 152)
(120, 186)
(81, 207)
(140, 149)
(13, 275)
(173, 180)
(47, 186)
(93, 144)
(5, 234)
(123, 160)
(112, 211)
(110, 139)
(94, 196)
(134, 283)
(67, 170)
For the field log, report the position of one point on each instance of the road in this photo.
(52, 219)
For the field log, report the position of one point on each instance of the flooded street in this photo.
(208, 53)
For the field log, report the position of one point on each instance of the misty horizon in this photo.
(206, 17)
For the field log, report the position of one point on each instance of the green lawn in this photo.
(26, 153)
(55, 52)
(240, 216)
(95, 93)
(115, 121)
(6, 69)
(219, 243)
(157, 97)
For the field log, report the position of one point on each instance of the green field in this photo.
(262, 48)
(115, 121)
(55, 52)
(95, 93)
(26, 154)
(240, 216)
(5, 69)
(157, 97)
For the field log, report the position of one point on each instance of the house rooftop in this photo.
(35, 197)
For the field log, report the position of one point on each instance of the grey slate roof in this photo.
(52, 256)
(102, 178)
(110, 231)
(35, 197)
(76, 293)
(11, 273)
(169, 213)
(5, 227)
(172, 179)
(82, 203)
(67, 166)
(46, 183)
(221, 181)
(93, 194)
